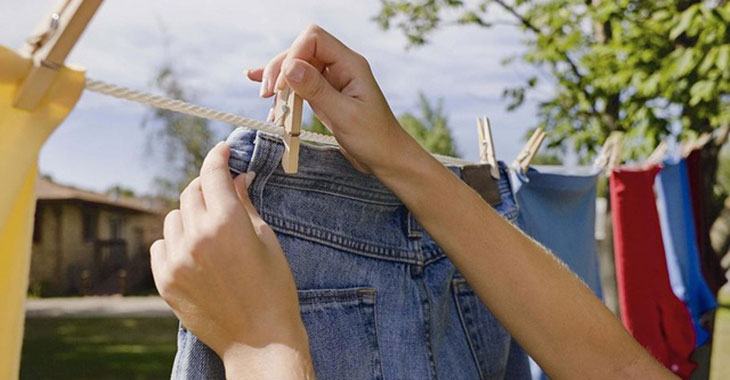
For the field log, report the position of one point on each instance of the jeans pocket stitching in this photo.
(465, 316)
(363, 298)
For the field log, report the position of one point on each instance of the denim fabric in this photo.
(558, 209)
(674, 204)
(378, 297)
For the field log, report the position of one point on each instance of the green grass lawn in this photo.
(98, 348)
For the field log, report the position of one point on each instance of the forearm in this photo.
(273, 361)
(549, 310)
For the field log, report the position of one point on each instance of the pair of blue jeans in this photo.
(378, 297)
(558, 209)
(676, 218)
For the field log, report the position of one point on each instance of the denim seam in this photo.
(465, 324)
(340, 296)
(438, 255)
(182, 347)
(358, 192)
(385, 253)
(332, 193)
(264, 165)
(413, 231)
(426, 310)
(377, 337)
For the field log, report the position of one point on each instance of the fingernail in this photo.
(249, 178)
(295, 73)
(264, 87)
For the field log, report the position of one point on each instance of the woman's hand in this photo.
(339, 86)
(222, 270)
(549, 311)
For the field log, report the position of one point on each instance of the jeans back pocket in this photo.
(342, 334)
(488, 340)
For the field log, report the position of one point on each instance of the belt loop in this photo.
(415, 231)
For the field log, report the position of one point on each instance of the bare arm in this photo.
(555, 317)
(551, 312)
(217, 247)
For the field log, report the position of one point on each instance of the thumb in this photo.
(309, 83)
(263, 231)
(241, 184)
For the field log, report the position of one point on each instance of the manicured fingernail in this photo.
(264, 87)
(249, 178)
(295, 73)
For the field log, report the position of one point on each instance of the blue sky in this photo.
(102, 142)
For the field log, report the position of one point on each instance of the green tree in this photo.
(315, 125)
(184, 140)
(547, 159)
(646, 68)
(642, 67)
(120, 191)
(430, 128)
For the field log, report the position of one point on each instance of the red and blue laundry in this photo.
(650, 311)
(674, 203)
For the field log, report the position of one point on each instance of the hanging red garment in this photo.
(710, 262)
(649, 309)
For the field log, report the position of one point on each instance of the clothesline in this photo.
(163, 102)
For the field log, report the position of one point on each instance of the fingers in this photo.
(269, 75)
(256, 74)
(192, 204)
(158, 257)
(173, 228)
(320, 49)
(241, 184)
(310, 84)
(317, 47)
(216, 183)
(262, 230)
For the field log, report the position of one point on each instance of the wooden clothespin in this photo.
(658, 154)
(610, 153)
(615, 157)
(288, 115)
(721, 135)
(522, 162)
(50, 46)
(697, 143)
(486, 146)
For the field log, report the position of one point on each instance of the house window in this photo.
(115, 227)
(89, 223)
(38, 224)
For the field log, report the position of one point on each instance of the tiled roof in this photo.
(49, 190)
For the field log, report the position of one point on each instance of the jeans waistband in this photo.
(330, 203)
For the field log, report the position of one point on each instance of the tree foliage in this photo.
(184, 140)
(315, 125)
(430, 127)
(643, 67)
(119, 190)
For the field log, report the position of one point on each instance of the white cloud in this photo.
(214, 41)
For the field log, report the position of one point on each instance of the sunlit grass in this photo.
(97, 348)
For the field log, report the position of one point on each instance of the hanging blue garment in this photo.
(674, 203)
(558, 209)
